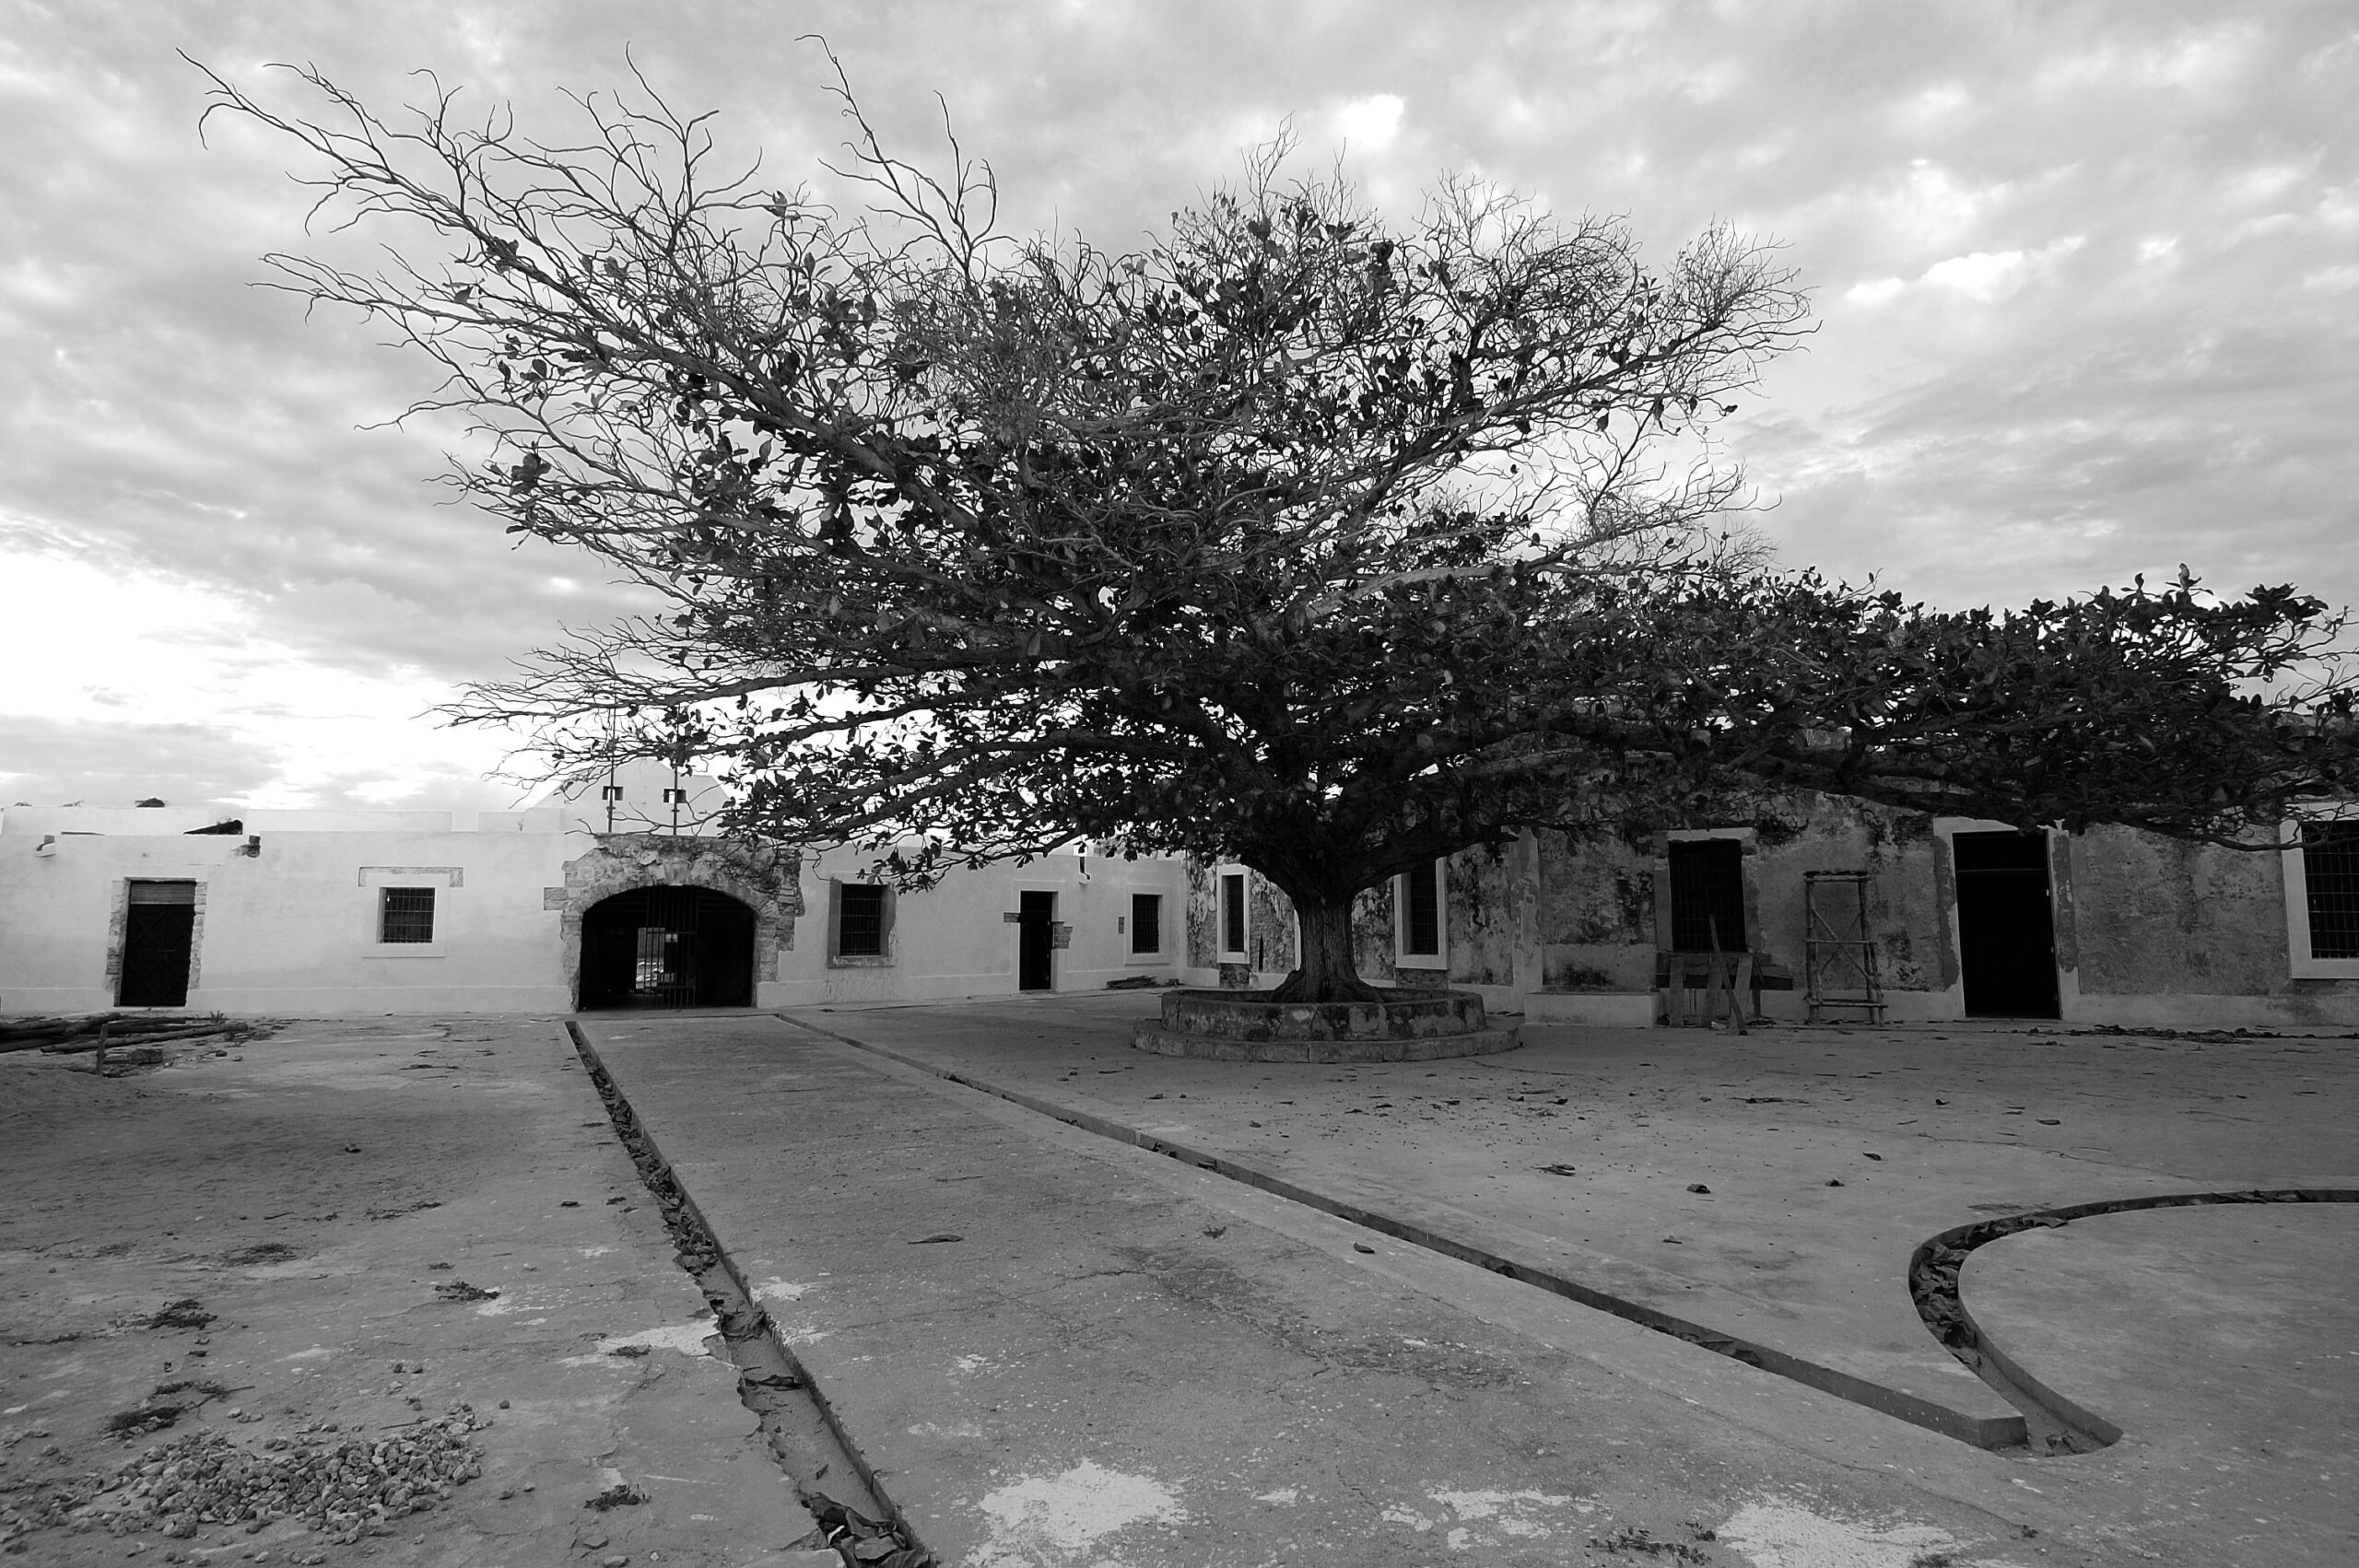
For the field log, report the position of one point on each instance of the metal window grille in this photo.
(1232, 914)
(1421, 924)
(1146, 922)
(2330, 886)
(406, 914)
(1707, 896)
(860, 921)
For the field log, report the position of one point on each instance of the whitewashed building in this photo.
(609, 897)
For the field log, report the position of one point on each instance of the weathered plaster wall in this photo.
(1479, 928)
(1907, 916)
(1604, 902)
(2177, 918)
(1481, 898)
(1596, 914)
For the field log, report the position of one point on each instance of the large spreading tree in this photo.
(1330, 543)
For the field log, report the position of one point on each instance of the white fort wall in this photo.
(287, 910)
(957, 938)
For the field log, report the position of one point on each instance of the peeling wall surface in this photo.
(2147, 931)
(2179, 916)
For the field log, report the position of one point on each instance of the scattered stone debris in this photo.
(1635, 1537)
(622, 1494)
(863, 1541)
(261, 1252)
(186, 1312)
(1558, 1170)
(459, 1289)
(938, 1235)
(343, 1492)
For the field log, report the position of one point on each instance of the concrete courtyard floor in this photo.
(1060, 1347)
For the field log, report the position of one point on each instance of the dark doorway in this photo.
(2006, 925)
(159, 936)
(667, 947)
(1036, 933)
(1707, 896)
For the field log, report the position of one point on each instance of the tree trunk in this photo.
(1326, 970)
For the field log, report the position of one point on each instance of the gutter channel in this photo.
(802, 1426)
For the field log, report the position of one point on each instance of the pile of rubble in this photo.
(341, 1489)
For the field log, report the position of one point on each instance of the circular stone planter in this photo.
(1406, 1025)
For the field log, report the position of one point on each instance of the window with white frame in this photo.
(1419, 933)
(1146, 923)
(2322, 895)
(1234, 914)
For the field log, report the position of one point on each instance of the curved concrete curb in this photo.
(1933, 1274)
(1149, 1034)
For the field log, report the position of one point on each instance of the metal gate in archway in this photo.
(667, 947)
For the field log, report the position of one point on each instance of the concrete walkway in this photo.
(320, 1197)
(1120, 1358)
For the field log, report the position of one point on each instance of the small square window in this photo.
(1146, 922)
(860, 921)
(406, 914)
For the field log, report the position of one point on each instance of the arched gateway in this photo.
(654, 921)
(667, 946)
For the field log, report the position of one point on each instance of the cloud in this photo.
(1983, 410)
(53, 762)
(1368, 124)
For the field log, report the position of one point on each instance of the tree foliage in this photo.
(1332, 544)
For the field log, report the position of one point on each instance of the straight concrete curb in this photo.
(1982, 1432)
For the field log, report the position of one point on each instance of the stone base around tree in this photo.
(1149, 1034)
(1404, 1025)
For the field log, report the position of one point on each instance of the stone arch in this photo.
(764, 878)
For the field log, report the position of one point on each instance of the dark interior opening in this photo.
(2006, 925)
(667, 947)
(1707, 896)
(159, 939)
(1036, 918)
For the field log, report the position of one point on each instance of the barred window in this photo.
(860, 921)
(1146, 922)
(2330, 888)
(406, 914)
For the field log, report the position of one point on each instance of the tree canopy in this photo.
(1327, 542)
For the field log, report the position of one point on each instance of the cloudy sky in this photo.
(2086, 278)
